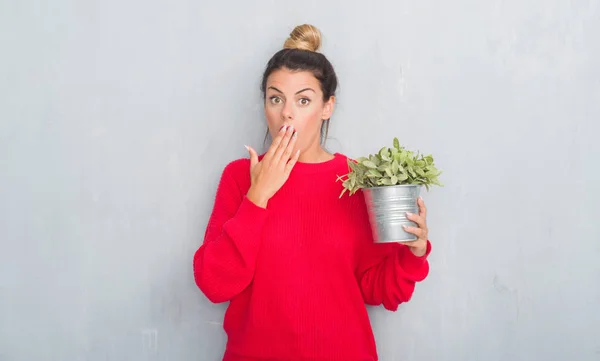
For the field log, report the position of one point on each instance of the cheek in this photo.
(309, 125)
(315, 112)
(308, 114)
(273, 116)
(271, 111)
(312, 118)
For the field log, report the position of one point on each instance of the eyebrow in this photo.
(298, 92)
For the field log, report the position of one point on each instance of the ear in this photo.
(328, 108)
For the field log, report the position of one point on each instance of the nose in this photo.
(287, 112)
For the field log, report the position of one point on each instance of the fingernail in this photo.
(291, 128)
(283, 129)
(408, 214)
(247, 147)
(295, 135)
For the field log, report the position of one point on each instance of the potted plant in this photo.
(391, 182)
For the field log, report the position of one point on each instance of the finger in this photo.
(292, 162)
(253, 156)
(422, 207)
(419, 220)
(289, 149)
(420, 233)
(278, 157)
(419, 243)
(275, 144)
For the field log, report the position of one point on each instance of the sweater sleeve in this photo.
(225, 262)
(388, 272)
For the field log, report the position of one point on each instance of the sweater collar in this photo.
(334, 163)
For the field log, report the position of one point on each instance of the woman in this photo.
(296, 261)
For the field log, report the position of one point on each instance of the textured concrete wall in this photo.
(116, 118)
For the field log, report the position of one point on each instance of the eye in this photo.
(304, 101)
(275, 99)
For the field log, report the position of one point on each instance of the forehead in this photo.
(292, 81)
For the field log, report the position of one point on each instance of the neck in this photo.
(315, 154)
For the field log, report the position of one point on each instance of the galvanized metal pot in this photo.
(387, 207)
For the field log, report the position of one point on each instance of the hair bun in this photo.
(304, 37)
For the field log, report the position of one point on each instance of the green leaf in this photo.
(395, 166)
(394, 179)
(396, 143)
(402, 158)
(385, 181)
(428, 159)
(375, 159)
(374, 173)
(369, 164)
(412, 172)
(384, 153)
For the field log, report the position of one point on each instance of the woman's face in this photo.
(295, 98)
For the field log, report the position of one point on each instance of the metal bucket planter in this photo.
(387, 207)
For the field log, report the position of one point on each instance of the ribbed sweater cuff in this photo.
(412, 263)
(245, 229)
(251, 216)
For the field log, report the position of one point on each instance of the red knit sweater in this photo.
(299, 273)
